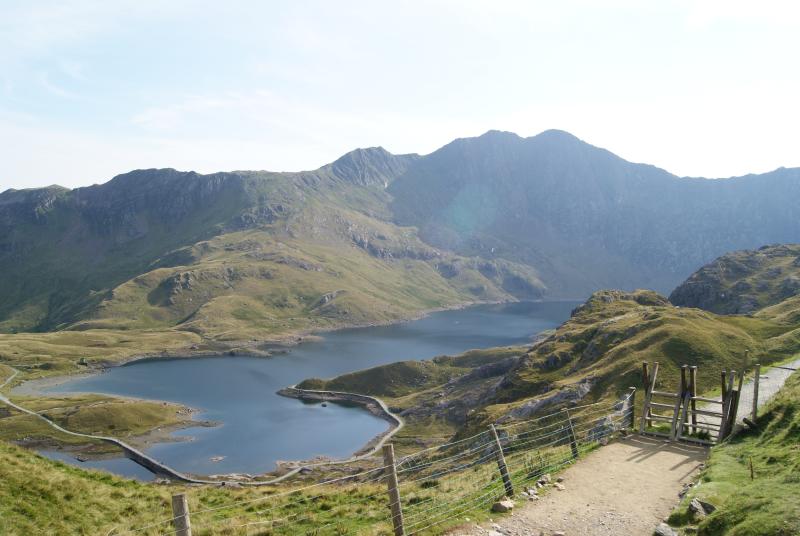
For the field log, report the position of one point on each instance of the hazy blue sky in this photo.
(90, 89)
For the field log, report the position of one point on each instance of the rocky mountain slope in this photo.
(585, 218)
(371, 237)
(231, 255)
(743, 281)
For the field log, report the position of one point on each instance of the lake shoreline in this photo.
(372, 404)
(37, 387)
(283, 345)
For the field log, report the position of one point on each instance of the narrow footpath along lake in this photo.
(258, 427)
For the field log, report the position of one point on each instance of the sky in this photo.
(90, 89)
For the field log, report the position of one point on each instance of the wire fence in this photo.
(436, 486)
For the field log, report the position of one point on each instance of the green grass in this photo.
(390, 381)
(90, 414)
(766, 505)
(63, 352)
(605, 342)
(247, 287)
(40, 496)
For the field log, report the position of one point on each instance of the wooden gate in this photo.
(687, 422)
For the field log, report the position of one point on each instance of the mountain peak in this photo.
(556, 134)
(499, 134)
(370, 166)
(35, 197)
(506, 138)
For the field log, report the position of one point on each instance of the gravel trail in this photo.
(625, 488)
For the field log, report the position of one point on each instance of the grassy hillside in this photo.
(767, 504)
(40, 496)
(595, 355)
(63, 352)
(249, 285)
(161, 262)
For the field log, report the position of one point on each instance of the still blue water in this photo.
(258, 427)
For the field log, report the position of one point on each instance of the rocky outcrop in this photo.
(603, 297)
(571, 394)
(743, 281)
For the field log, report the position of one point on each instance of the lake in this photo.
(258, 427)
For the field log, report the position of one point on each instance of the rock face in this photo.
(572, 393)
(743, 281)
(373, 166)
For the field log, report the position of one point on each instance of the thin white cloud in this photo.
(54, 89)
(699, 88)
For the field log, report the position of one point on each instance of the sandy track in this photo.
(625, 488)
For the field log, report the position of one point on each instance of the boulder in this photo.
(503, 505)
(664, 530)
(697, 509)
(707, 506)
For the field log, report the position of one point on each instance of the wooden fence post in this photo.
(685, 389)
(677, 419)
(180, 514)
(724, 379)
(632, 399)
(573, 441)
(501, 463)
(646, 382)
(727, 403)
(646, 420)
(693, 389)
(735, 410)
(390, 469)
(755, 391)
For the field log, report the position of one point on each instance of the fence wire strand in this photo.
(466, 467)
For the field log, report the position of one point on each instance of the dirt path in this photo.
(625, 488)
(770, 383)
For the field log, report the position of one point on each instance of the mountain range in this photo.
(371, 237)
